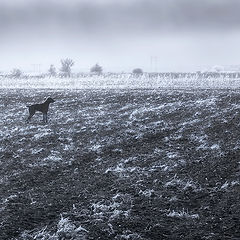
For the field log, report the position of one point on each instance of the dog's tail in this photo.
(28, 106)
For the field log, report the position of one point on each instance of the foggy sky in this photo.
(181, 35)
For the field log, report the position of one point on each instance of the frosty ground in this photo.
(120, 164)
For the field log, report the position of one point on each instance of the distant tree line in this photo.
(65, 71)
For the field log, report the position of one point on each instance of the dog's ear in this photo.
(51, 100)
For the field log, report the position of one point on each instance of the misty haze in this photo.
(184, 35)
(119, 119)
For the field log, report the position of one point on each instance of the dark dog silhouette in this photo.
(42, 107)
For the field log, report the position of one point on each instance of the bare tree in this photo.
(52, 71)
(66, 67)
(96, 69)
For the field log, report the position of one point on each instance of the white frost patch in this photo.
(163, 167)
(182, 214)
(65, 230)
(130, 160)
(205, 145)
(116, 213)
(172, 155)
(117, 150)
(183, 184)
(173, 199)
(141, 111)
(42, 134)
(99, 207)
(233, 183)
(147, 192)
(200, 139)
(174, 182)
(215, 147)
(53, 157)
(192, 122)
(227, 184)
(121, 197)
(158, 151)
(70, 120)
(128, 236)
(36, 151)
(206, 102)
(126, 107)
(20, 150)
(66, 226)
(11, 197)
(121, 170)
(110, 208)
(95, 147)
(2, 149)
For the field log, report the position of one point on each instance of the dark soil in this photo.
(130, 164)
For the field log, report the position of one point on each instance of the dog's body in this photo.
(43, 107)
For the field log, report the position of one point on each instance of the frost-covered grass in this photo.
(182, 214)
(121, 81)
(65, 230)
(120, 164)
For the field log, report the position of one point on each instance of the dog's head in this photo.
(50, 100)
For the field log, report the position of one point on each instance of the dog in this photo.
(42, 107)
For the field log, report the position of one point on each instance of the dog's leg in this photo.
(29, 117)
(44, 117)
(31, 113)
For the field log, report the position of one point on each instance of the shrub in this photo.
(137, 71)
(16, 73)
(96, 69)
(52, 71)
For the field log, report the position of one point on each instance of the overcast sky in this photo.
(178, 35)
